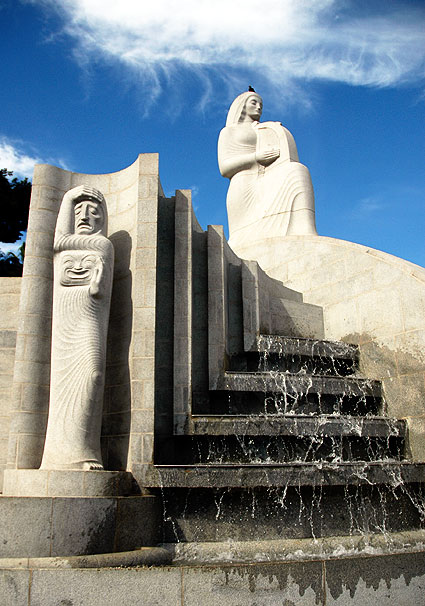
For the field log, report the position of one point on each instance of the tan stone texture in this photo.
(132, 199)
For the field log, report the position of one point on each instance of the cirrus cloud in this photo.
(282, 41)
(14, 157)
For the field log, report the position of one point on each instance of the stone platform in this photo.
(374, 579)
(224, 400)
(68, 526)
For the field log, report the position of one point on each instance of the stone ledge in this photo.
(286, 346)
(285, 474)
(281, 550)
(297, 425)
(145, 556)
(281, 382)
(385, 579)
(66, 483)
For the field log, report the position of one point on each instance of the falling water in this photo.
(306, 449)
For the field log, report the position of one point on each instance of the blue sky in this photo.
(90, 84)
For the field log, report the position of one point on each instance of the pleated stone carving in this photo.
(83, 269)
(270, 192)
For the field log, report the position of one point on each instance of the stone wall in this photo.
(132, 199)
(10, 289)
(369, 298)
(182, 304)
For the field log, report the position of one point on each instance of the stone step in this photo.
(294, 355)
(298, 425)
(285, 449)
(298, 384)
(213, 514)
(307, 347)
(292, 363)
(291, 402)
(391, 473)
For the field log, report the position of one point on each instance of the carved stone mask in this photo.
(89, 217)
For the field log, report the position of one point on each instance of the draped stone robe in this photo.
(264, 201)
(83, 266)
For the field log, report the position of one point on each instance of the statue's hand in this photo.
(267, 157)
(82, 192)
(95, 283)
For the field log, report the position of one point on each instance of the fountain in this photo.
(282, 436)
(263, 426)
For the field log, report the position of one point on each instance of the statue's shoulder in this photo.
(230, 129)
(226, 131)
(225, 136)
(104, 244)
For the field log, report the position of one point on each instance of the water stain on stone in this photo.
(345, 574)
(305, 575)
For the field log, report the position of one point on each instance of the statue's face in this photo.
(88, 217)
(254, 107)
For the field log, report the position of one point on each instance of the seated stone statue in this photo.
(83, 266)
(270, 192)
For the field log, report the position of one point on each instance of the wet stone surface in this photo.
(293, 443)
(289, 512)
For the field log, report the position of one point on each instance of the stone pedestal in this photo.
(66, 513)
(67, 526)
(53, 483)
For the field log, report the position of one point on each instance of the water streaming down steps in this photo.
(293, 401)
(292, 443)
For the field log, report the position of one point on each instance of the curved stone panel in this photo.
(132, 199)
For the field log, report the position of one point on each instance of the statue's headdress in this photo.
(236, 109)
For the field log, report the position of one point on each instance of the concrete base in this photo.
(382, 580)
(52, 483)
(67, 526)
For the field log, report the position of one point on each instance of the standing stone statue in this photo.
(83, 267)
(270, 192)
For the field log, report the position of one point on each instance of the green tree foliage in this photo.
(14, 204)
(15, 197)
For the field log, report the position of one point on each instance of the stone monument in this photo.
(270, 191)
(263, 413)
(83, 269)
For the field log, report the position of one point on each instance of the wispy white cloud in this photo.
(368, 206)
(195, 190)
(283, 41)
(195, 193)
(14, 157)
(195, 196)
